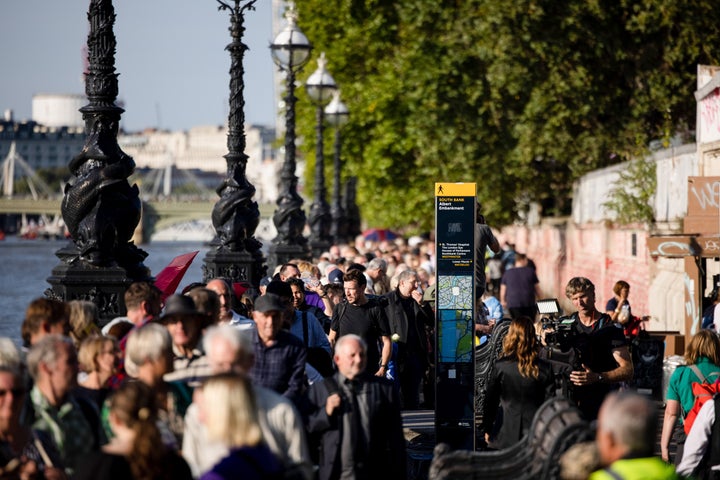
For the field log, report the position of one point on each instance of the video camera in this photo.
(559, 338)
(557, 330)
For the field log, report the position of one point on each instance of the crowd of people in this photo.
(304, 379)
(307, 377)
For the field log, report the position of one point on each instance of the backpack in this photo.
(704, 470)
(702, 391)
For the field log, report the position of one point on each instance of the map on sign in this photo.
(456, 336)
(455, 293)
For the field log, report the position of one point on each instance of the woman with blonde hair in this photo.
(702, 364)
(136, 450)
(227, 408)
(519, 383)
(83, 320)
(98, 359)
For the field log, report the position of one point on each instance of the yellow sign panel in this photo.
(455, 189)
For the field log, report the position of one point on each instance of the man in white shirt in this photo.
(228, 349)
(227, 314)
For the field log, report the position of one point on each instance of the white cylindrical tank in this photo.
(58, 110)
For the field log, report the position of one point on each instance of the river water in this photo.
(25, 266)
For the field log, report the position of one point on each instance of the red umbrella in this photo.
(379, 234)
(169, 278)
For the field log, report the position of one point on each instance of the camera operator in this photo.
(604, 356)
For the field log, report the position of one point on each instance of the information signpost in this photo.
(455, 310)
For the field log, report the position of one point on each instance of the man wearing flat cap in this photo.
(279, 355)
(185, 324)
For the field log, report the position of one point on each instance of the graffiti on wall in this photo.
(691, 309)
(706, 196)
(710, 117)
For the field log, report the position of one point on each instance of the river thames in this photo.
(26, 265)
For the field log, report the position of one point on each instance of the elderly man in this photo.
(279, 355)
(73, 422)
(626, 436)
(230, 350)
(185, 324)
(358, 418)
(377, 271)
(408, 317)
(227, 314)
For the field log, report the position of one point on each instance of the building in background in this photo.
(39, 145)
(203, 148)
(58, 110)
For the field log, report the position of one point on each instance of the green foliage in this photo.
(521, 97)
(631, 196)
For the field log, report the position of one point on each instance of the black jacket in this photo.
(519, 396)
(385, 444)
(400, 324)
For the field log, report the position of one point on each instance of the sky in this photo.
(170, 57)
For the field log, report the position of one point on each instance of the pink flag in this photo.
(169, 278)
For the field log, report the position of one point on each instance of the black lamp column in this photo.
(320, 86)
(100, 208)
(290, 51)
(351, 209)
(237, 256)
(337, 114)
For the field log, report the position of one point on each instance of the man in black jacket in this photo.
(357, 416)
(408, 317)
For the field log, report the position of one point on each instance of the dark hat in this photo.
(179, 305)
(268, 303)
(336, 276)
(279, 288)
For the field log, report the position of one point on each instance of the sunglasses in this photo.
(15, 391)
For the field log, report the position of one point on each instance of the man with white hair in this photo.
(358, 418)
(626, 436)
(377, 271)
(230, 350)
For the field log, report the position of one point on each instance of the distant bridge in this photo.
(184, 213)
(166, 213)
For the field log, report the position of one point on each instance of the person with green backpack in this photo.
(702, 358)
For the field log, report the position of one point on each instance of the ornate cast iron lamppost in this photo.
(352, 211)
(235, 216)
(320, 86)
(290, 52)
(337, 114)
(100, 208)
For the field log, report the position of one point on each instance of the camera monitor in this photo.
(548, 306)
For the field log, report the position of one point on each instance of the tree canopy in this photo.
(521, 97)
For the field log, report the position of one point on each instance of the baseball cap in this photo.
(269, 303)
(336, 276)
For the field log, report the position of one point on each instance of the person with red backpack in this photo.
(702, 358)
